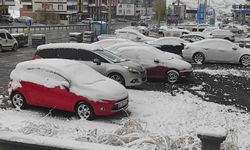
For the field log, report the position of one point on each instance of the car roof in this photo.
(84, 46)
(4, 30)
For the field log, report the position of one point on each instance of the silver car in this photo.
(124, 71)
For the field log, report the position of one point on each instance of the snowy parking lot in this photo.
(159, 115)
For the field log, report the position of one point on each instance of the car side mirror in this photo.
(234, 48)
(156, 60)
(65, 85)
(97, 61)
(138, 38)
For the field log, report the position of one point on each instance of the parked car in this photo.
(109, 42)
(123, 71)
(223, 34)
(169, 44)
(234, 29)
(193, 37)
(115, 47)
(22, 39)
(7, 41)
(132, 35)
(159, 65)
(66, 85)
(142, 29)
(23, 19)
(172, 32)
(6, 19)
(216, 50)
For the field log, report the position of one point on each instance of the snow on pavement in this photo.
(157, 119)
(225, 72)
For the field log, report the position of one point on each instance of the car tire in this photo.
(117, 77)
(18, 100)
(14, 47)
(198, 58)
(1, 48)
(172, 76)
(245, 60)
(85, 111)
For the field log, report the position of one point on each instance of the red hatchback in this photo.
(66, 85)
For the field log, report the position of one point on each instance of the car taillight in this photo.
(35, 57)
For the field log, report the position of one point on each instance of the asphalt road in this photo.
(227, 89)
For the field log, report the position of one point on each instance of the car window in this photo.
(2, 35)
(67, 53)
(90, 56)
(47, 53)
(9, 36)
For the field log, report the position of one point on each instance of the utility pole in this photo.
(80, 10)
(109, 17)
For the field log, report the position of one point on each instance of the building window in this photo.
(120, 6)
(60, 7)
(29, 7)
(120, 11)
(128, 5)
(50, 6)
(128, 11)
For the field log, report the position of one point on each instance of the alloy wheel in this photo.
(198, 58)
(245, 60)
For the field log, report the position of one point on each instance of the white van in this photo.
(7, 41)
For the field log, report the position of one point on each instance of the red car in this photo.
(66, 85)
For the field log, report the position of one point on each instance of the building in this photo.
(65, 10)
(4, 6)
(241, 13)
(133, 9)
(176, 13)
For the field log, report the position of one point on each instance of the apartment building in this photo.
(66, 10)
(134, 8)
(4, 6)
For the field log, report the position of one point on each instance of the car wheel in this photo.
(1, 48)
(117, 77)
(18, 100)
(245, 60)
(172, 76)
(199, 58)
(14, 47)
(85, 111)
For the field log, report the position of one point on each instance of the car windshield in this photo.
(110, 56)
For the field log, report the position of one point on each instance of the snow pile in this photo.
(225, 72)
(157, 120)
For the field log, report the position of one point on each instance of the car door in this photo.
(89, 58)
(10, 40)
(226, 51)
(3, 39)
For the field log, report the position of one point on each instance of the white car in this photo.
(132, 35)
(216, 50)
(159, 65)
(166, 31)
(222, 34)
(142, 29)
(7, 41)
(195, 36)
(108, 42)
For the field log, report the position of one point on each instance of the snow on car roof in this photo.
(109, 42)
(69, 45)
(78, 77)
(208, 40)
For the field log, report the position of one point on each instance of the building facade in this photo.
(4, 6)
(241, 13)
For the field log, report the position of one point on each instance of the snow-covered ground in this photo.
(156, 119)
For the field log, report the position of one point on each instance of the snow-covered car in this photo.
(209, 29)
(196, 36)
(108, 64)
(173, 32)
(216, 50)
(169, 44)
(108, 42)
(66, 85)
(222, 34)
(234, 29)
(132, 35)
(159, 65)
(142, 29)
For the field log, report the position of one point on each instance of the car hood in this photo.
(148, 39)
(106, 89)
(133, 65)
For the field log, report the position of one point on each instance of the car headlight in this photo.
(131, 69)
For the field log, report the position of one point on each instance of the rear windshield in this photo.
(47, 53)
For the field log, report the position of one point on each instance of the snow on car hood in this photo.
(177, 64)
(81, 79)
